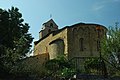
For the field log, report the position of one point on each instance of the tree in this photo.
(110, 45)
(15, 41)
(110, 49)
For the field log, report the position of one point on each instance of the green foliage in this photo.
(67, 72)
(110, 49)
(110, 46)
(15, 41)
(95, 66)
(60, 67)
(92, 63)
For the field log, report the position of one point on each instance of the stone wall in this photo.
(45, 45)
(56, 48)
(83, 40)
(31, 65)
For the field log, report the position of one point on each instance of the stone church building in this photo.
(78, 40)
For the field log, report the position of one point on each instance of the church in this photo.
(75, 41)
(78, 40)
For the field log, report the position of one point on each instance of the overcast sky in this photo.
(65, 12)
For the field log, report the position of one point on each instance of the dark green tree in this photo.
(15, 41)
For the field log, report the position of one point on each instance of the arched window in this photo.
(51, 25)
(81, 44)
(49, 30)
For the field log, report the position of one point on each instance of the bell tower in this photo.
(48, 27)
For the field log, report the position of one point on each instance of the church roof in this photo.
(49, 21)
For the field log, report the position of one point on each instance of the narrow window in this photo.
(51, 25)
(49, 30)
(81, 44)
(98, 45)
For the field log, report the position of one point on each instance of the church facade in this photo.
(78, 40)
